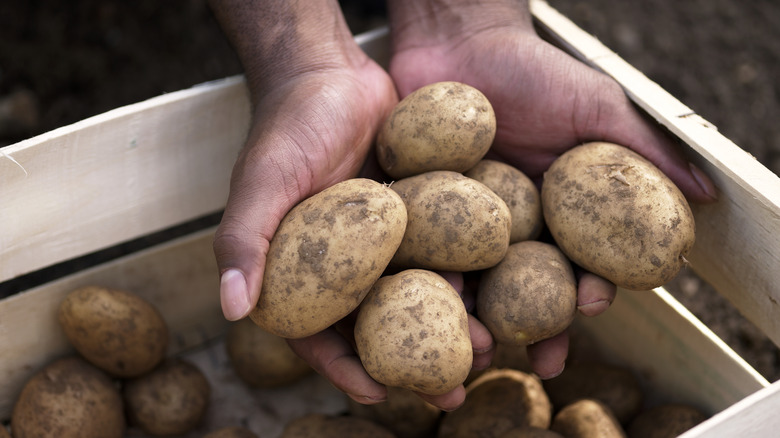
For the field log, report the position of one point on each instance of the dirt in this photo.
(63, 62)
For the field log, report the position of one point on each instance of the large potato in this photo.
(326, 254)
(115, 330)
(665, 421)
(529, 296)
(587, 418)
(455, 223)
(69, 398)
(518, 191)
(441, 126)
(617, 215)
(403, 413)
(412, 332)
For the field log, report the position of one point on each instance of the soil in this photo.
(63, 62)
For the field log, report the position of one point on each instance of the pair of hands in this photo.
(316, 116)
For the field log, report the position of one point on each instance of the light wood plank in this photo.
(738, 244)
(179, 278)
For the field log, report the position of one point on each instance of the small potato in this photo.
(441, 126)
(115, 330)
(455, 223)
(587, 419)
(615, 386)
(324, 426)
(231, 432)
(261, 359)
(412, 332)
(496, 402)
(518, 191)
(530, 296)
(170, 400)
(531, 432)
(326, 254)
(614, 213)
(69, 398)
(4, 432)
(403, 413)
(665, 421)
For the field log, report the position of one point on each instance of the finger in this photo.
(548, 357)
(481, 343)
(331, 356)
(446, 402)
(594, 294)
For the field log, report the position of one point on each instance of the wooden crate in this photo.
(146, 167)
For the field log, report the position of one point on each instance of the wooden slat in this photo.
(119, 175)
(738, 244)
(754, 416)
(179, 278)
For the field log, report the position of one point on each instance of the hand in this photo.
(545, 103)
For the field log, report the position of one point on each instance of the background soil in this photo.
(62, 62)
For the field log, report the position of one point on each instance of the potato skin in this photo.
(664, 421)
(529, 296)
(325, 426)
(455, 223)
(326, 254)
(117, 331)
(412, 332)
(587, 418)
(403, 413)
(69, 398)
(231, 432)
(518, 191)
(615, 214)
(441, 126)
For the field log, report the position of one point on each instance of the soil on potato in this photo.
(63, 62)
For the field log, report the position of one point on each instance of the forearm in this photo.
(414, 21)
(277, 39)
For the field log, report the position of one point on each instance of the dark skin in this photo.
(318, 102)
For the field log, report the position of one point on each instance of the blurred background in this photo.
(61, 62)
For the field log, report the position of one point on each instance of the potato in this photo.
(530, 432)
(615, 214)
(665, 421)
(326, 254)
(498, 401)
(261, 359)
(587, 419)
(231, 432)
(441, 126)
(530, 296)
(518, 191)
(324, 426)
(115, 330)
(455, 223)
(4, 432)
(615, 386)
(171, 399)
(412, 332)
(69, 398)
(403, 413)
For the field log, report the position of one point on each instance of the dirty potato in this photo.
(665, 421)
(615, 214)
(455, 223)
(331, 426)
(518, 191)
(587, 418)
(529, 296)
(115, 330)
(326, 254)
(441, 126)
(231, 432)
(404, 413)
(412, 332)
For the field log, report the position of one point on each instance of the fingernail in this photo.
(234, 294)
(594, 308)
(704, 183)
(366, 400)
(555, 373)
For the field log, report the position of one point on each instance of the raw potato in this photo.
(441, 126)
(326, 254)
(615, 214)
(324, 426)
(665, 421)
(531, 432)
(262, 359)
(404, 413)
(69, 398)
(530, 296)
(170, 400)
(615, 386)
(498, 401)
(115, 330)
(231, 432)
(587, 419)
(412, 332)
(4, 432)
(455, 223)
(518, 191)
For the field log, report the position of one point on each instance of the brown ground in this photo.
(60, 64)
